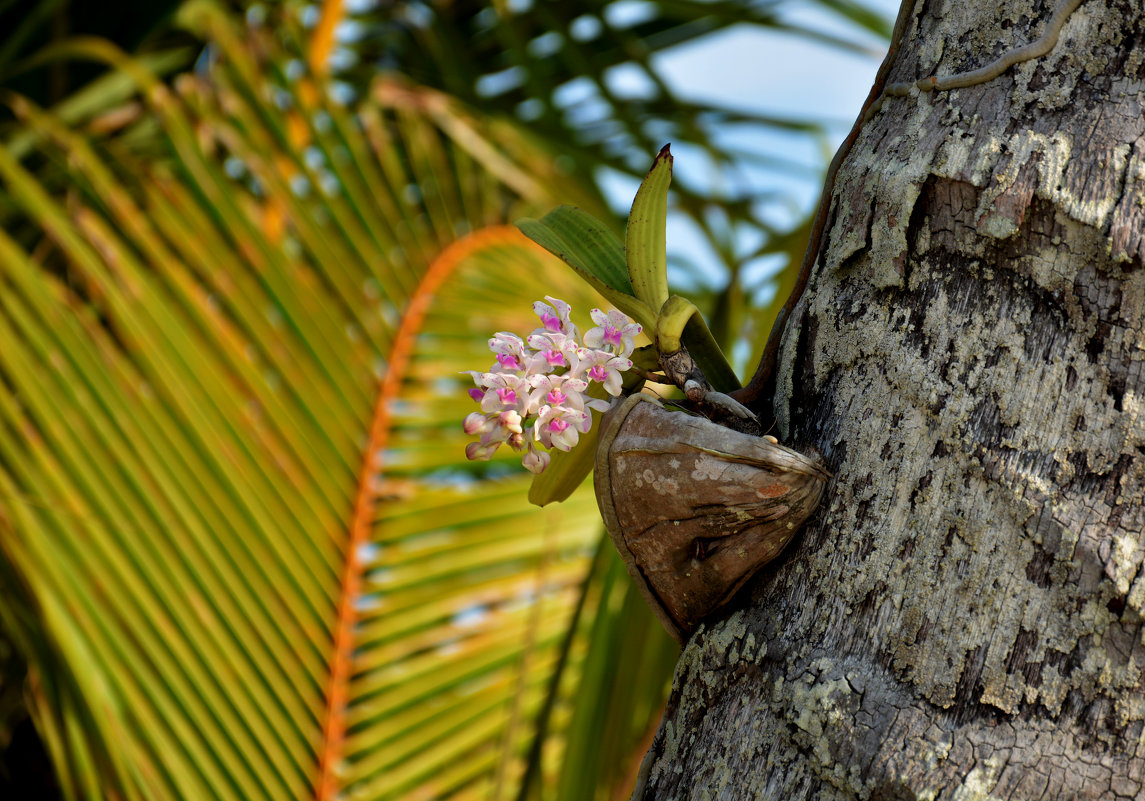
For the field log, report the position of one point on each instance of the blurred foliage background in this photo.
(246, 251)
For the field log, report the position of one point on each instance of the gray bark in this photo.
(962, 619)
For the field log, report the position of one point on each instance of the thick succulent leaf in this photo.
(645, 241)
(588, 246)
(566, 472)
(252, 560)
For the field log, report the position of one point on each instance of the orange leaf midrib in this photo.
(334, 717)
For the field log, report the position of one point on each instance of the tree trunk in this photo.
(962, 619)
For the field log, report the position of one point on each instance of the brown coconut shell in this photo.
(694, 508)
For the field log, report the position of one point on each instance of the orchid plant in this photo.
(535, 396)
(535, 399)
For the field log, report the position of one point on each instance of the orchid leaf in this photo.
(594, 252)
(567, 470)
(646, 238)
(681, 323)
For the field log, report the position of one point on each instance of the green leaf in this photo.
(708, 355)
(680, 322)
(253, 561)
(627, 669)
(567, 470)
(646, 239)
(589, 247)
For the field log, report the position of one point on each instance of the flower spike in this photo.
(535, 396)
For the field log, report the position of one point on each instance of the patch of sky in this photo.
(574, 92)
(342, 93)
(349, 31)
(767, 71)
(419, 15)
(329, 183)
(368, 602)
(630, 82)
(660, 130)
(322, 121)
(395, 457)
(342, 58)
(313, 157)
(359, 6)
(485, 19)
(295, 69)
(813, 16)
(626, 13)
(529, 110)
(498, 83)
(469, 617)
(518, 6)
(234, 167)
(545, 45)
(615, 139)
(763, 72)
(690, 267)
(504, 469)
(299, 185)
(693, 168)
(618, 188)
(757, 275)
(452, 478)
(587, 111)
(367, 553)
(404, 408)
(309, 15)
(256, 15)
(585, 28)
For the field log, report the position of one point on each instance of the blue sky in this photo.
(778, 74)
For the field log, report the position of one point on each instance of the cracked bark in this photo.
(962, 619)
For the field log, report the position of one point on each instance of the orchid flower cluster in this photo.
(543, 380)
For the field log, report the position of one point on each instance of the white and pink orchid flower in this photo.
(613, 330)
(535, 461)
(560, 427)
(542, 384)
(510, 350)
(561, 390)
(602, 367)
(555, 318)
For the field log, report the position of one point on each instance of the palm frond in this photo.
(247, 560)
(589, 77)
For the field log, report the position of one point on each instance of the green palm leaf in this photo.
(589, 77)
(244, 557)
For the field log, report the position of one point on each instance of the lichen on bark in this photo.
(964, 617)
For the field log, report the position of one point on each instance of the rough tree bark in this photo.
(962, 619)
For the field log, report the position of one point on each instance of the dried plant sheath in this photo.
(695, 508)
